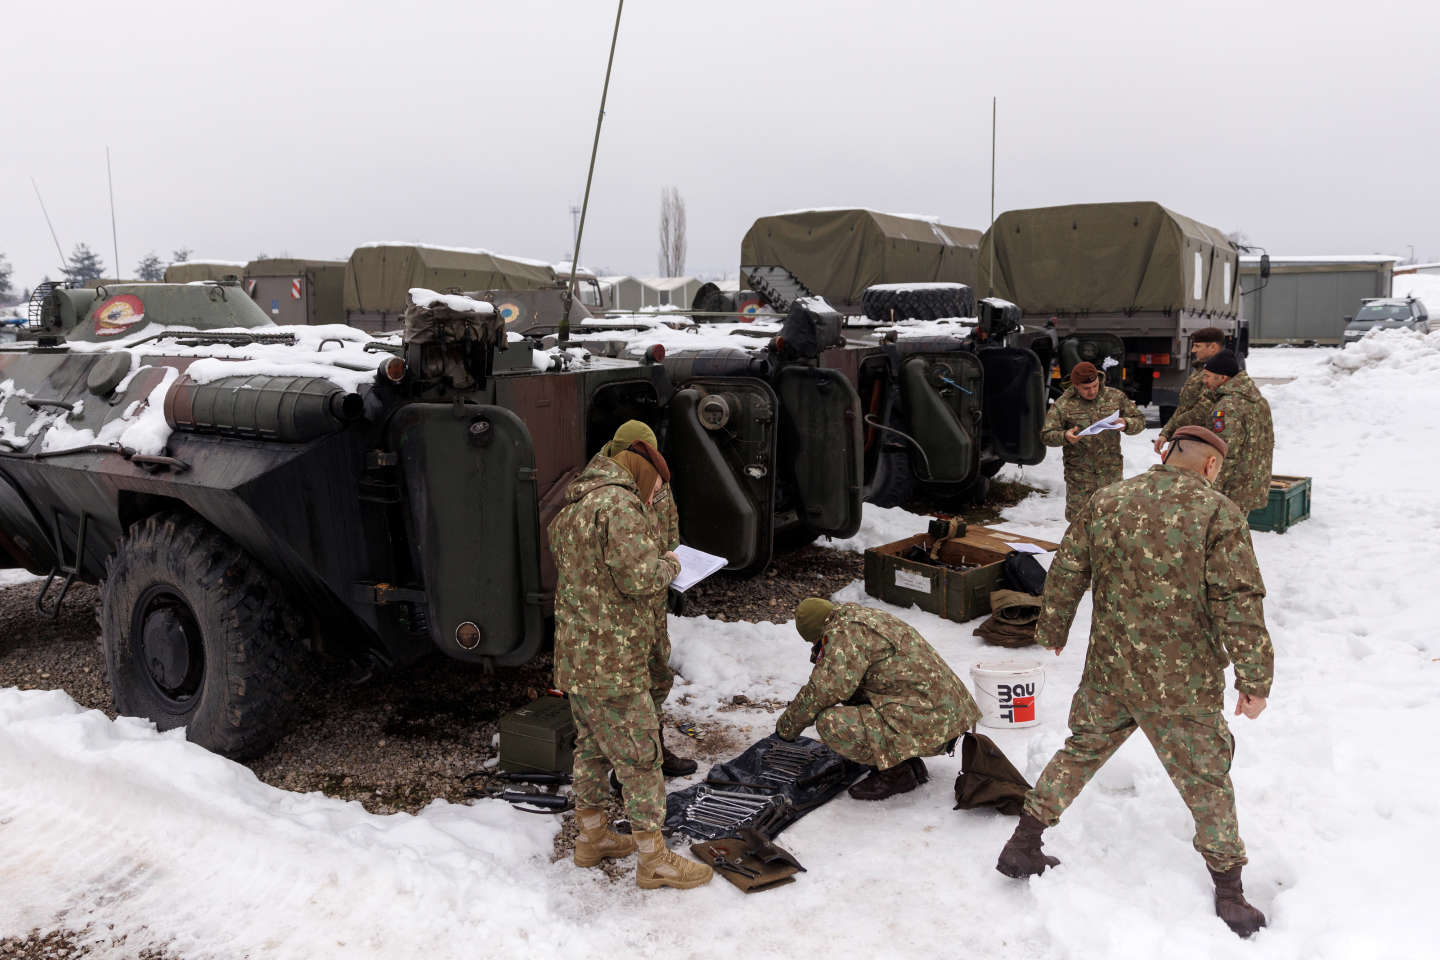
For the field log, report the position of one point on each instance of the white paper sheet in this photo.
(695, 565)
(1112, 422)
(1026, 547)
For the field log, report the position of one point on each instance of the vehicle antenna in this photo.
(63, 261)
(564, 331)
(114, 236)
(994, 111)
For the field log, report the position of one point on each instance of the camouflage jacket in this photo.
(1094, 461)
(1241, 417)
(610, 572)
(1177, 594)
(1192, 408)
(665, 526)
(878, 658)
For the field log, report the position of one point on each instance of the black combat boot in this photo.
(671, 764)
(1231, 905)
(901, 778)
(1023, 854)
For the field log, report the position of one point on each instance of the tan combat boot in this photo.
(597, 841)
(659, 867)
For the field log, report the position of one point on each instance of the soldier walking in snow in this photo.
(636, 436)
(878, 694)
(1241, 416)
(1095, 461)
(1196, 400)
(1177, 593)
(610, 572)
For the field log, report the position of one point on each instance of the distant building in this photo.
(1418, 268)
(669, 291)
(1307, 299)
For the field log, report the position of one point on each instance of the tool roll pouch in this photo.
(736, 865)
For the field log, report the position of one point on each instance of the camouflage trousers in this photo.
(662, 678)
(621, 732)
(1195, 749)
(1079, 489)
(861, 734)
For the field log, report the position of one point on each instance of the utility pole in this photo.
(574, 230)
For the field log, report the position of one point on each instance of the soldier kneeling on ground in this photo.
(878, 694)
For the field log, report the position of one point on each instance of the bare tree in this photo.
(150, 269)
(672, 232)
(181, 255)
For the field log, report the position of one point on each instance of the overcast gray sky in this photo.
(309, 128)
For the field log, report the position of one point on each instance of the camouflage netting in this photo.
(379, 277)
(838, 253)
(1109, 258)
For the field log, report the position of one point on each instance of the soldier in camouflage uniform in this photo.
(878, 694)
(610, 571)
(1195, 399)
(1177, 595)
(666, 527)
(1095, 461)
(1241, 416)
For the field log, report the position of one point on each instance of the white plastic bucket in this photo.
(1008, 692)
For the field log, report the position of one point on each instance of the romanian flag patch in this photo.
(1217, 423)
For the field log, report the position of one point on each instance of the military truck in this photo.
(379, 277)
(838, 254)
(293, 291)
(190, 271)
(1126, 284)
(254, 499)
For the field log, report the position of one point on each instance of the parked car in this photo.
(1387, 313)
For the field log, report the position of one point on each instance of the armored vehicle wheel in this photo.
(894, 481)
(197, 635)
(917, 303)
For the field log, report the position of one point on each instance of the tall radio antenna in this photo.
(63, 261)
(114, 236)
(994, 114)
(564, 331)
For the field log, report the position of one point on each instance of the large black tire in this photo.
(1165, 414)
(918, 303)
(197, 634)
(894, 481)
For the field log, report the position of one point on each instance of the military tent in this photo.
(837, 253)
(1109, 258)
(379, 276)
(190, 271)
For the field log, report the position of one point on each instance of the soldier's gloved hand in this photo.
(781, 734)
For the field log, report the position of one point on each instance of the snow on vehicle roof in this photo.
(903, 216)
(902, 287)
(422, 297)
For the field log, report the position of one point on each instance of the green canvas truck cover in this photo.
(379, 276)
(193, 270)
(838, 253)
(1109, 258)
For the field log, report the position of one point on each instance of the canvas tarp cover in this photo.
(193, 270)
(378, 278)
(838, 253)
(1108, 258)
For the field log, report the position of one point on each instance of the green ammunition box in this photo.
(538, 736)
(1289, 504)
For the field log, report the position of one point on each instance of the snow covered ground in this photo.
(1337, 782)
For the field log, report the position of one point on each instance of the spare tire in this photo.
(916, 301)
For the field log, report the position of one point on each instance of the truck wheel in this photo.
(197, 635)
(893, 482)
(918, 303)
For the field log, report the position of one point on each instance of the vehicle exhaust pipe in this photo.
(287, 409)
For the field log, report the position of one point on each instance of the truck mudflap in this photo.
(1014, 404)
(943, 396)
(822, 448)
(470, 482)
(722, 441)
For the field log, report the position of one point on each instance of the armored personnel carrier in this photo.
(254, 498)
